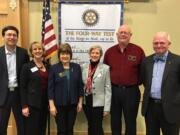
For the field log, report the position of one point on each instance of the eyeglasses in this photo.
(123, 33)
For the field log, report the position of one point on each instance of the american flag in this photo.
(48, 34)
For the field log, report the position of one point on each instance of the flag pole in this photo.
(48, 41)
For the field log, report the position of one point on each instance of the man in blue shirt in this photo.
(161, 79)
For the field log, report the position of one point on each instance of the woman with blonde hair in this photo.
(34, 83)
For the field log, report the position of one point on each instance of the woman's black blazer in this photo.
(30, 85)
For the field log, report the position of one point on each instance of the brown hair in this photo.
(65, 48)
(6, 28)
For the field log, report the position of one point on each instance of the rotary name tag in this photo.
(34, 69)
(131, 58)
(61, 74)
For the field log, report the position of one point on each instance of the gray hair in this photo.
(96, 47)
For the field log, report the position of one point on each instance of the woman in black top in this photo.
(34, 82)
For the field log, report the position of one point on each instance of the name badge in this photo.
(131, 58)
(99, 75)
(61, 74)
(34, 69)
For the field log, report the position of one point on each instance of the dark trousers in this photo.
(124, 100)
(65, 119)
(36, 123)
(94, 117)
(155, 120)
(12, 102)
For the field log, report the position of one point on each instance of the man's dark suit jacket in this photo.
(58, 84)
(31, 89)
(170, 89)
(21, 58)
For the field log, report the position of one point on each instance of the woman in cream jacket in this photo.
(97, 89)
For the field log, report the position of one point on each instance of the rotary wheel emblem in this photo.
(90, 17)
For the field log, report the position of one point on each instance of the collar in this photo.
(162, 58)
(163, 55)
(125, 49)
(9, 52)
(94, 64)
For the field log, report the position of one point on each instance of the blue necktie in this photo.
(159, 58)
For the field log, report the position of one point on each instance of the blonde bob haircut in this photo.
(36, 44)
(96, 47)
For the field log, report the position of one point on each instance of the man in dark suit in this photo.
(12, 58)
(161, 79)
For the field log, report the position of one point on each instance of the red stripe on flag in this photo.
(48, 28)
(51, 50)
(48, 40)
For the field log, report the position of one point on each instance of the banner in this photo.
(85, 24)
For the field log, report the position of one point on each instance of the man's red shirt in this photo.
(124, 67)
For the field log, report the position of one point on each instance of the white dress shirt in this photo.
(11, 67)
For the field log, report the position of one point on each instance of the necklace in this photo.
(40, 67)
(39, 64)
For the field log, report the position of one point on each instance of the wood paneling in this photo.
(24, 20)
(12, 17)
(3, 7)
(11, 126)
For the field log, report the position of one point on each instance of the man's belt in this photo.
(123, 86)
(12, 88)
(153, 100)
